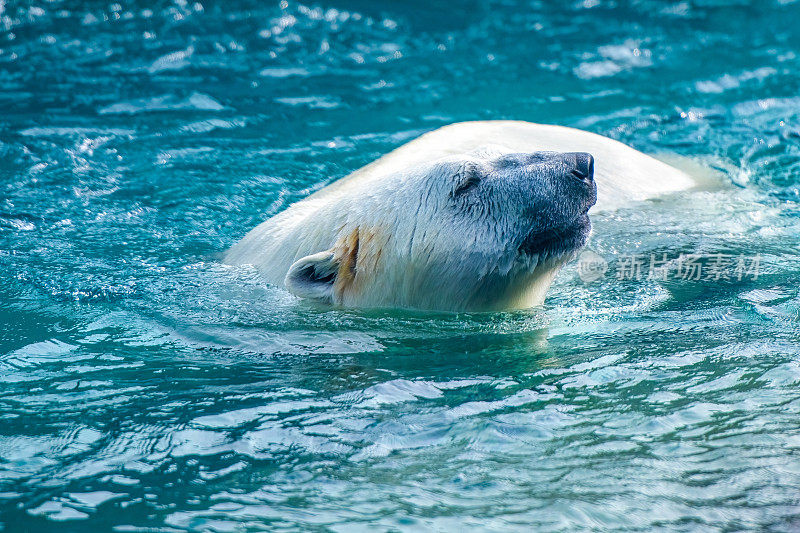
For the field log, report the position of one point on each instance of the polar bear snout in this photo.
(584, 166)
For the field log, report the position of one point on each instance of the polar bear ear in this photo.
(313, 276)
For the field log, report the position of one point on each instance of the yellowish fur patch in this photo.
(358, 254)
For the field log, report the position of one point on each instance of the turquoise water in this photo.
(146, 387)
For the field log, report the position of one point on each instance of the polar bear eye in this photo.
(469, 177)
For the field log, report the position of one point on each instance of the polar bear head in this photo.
(486, 230)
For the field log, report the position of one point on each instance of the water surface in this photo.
(146, 387)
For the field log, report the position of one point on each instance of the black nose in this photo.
(584, 166)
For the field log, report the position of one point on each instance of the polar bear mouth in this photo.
(558, 240)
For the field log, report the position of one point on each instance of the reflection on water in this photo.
(147, 387)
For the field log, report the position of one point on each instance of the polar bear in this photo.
(474, 216)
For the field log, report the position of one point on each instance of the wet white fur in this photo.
(321, 224)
